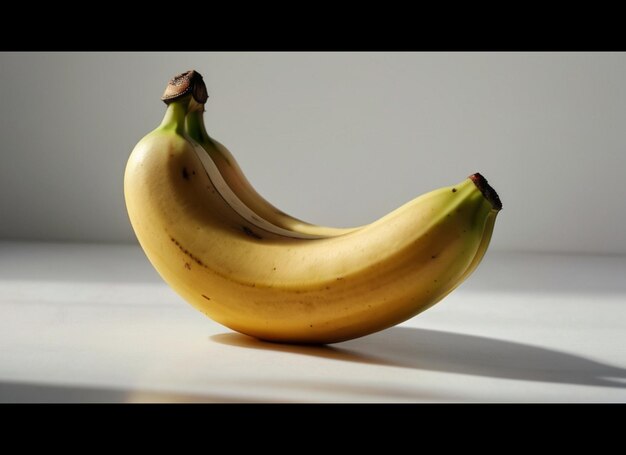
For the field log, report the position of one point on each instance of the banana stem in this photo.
(185, 93)
(196, 128)
(174, 118)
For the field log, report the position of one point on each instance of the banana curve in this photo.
(239, 185)
(232, 199)
(280, 288)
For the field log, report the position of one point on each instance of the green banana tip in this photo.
(190, 82)
(488, 192)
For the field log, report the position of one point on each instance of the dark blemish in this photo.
(184, 250)
(250, 233)
(193, 172)
(185, 174)
(311, 325)
(208, 298)
(454, 190)
(434, 256)
(274, 268)
(435, 281)
(327, 287)
(253, 285)
(340, 278)
(187, 265)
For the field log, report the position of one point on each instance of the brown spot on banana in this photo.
(250, 233)
(186, 251)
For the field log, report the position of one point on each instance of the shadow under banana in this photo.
(450, 352)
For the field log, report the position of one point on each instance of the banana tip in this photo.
(487, 190)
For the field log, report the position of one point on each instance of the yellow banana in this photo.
(271, 283)
(234, 177)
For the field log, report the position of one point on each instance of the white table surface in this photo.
(95, 323)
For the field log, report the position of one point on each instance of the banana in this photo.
(234, 177)
(273, 283)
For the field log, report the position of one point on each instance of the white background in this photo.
(333, 138)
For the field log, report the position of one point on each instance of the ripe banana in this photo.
(234, 177)
(268, 280)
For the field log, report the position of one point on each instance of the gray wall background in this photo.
(333, 138)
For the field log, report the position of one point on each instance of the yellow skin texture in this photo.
(285, 289)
